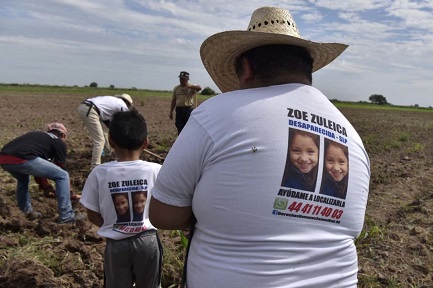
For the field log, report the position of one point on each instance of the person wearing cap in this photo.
(184, 99)
(40, 154)
(249, 228)
(96, 114)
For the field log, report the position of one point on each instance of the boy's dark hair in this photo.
(270, 60)
(128, 129)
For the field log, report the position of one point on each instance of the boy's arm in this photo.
(95, 217)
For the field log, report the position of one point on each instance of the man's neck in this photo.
(283, 79)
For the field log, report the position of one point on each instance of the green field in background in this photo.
(142, 93)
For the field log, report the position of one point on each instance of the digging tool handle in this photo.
(153, 154)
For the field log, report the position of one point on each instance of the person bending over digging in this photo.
(96, 114)
(43, 155)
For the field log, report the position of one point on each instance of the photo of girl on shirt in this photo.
(335, 170)
(139, 202)
(121, 203)
(302, 159)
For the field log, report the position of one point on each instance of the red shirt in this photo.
(9, 159)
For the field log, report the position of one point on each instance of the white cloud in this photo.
(352, 5)
(145, 44)
(416, 15)
(314, 16)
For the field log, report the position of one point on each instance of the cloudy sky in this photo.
(145, 43)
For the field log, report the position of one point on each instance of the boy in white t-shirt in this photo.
(133, 252)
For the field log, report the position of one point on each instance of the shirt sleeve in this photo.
(90, 195)
(183, 167)
(191, 92)
(59, 152)
(173, 95)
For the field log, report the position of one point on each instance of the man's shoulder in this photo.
(50, 136)
(36, 133)
(101, 97)
(105, 100)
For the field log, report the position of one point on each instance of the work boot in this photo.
(33, 215)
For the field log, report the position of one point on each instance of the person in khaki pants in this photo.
(99, 110)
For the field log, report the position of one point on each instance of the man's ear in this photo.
(247, 74)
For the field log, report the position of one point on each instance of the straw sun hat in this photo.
(268, 25)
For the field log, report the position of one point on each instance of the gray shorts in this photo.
(137, 259)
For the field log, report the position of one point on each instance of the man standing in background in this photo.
(183, 99)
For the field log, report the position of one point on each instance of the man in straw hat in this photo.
(33, 154)
(251, 229)
(96, 111)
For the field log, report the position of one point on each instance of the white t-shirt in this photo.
(108, 105)
(117, 191)
(229, 163)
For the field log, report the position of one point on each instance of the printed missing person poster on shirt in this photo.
(315, 179)
(129, 200)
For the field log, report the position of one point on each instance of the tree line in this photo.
(205, 91)
(378, 99)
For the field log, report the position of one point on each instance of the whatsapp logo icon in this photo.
(281, 203)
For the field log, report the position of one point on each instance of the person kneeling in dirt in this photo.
(33, 154)
(114, 194)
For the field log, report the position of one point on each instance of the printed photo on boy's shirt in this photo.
(139, 202)
(335, 169)
(121, 203)
(302, 160)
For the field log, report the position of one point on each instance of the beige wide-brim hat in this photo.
(125, 97)
(268, 25)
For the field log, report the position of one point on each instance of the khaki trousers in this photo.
(98, 132)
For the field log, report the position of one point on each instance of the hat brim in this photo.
(219, 53)
(125, 97)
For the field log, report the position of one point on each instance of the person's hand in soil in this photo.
(45, 186)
